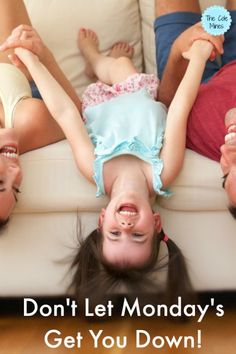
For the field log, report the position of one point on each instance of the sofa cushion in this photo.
(198, 186)
(58, 26)
(51, 180)
(39, 244)
(52, 183)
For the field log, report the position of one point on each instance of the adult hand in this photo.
(186, 39)
(199, 49)
(25, 36)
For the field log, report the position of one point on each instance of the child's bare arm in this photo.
(63, 111)
(177, 65)
(25, 36)
(175, 134)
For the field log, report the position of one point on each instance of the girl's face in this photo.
(10, 171)
(128, 225)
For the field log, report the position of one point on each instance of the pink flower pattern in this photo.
(99, 92)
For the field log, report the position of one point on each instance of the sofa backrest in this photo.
(51, 180)
(58, 23)
(125, 20)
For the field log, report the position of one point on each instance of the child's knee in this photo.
(121, 62)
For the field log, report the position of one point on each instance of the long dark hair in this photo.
(96, 279)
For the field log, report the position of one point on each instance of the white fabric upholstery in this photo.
(38, 246)
(58, 24)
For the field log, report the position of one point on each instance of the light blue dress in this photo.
(132, 123)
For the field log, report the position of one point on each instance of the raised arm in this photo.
(63, 110)
(177, 65)
(176, 125)
(25, 36)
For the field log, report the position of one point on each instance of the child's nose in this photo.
(126, 224)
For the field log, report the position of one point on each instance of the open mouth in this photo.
(230, 138)
(128, 210)
(9, 152)
(232, 128)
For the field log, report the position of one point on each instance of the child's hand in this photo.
(186, 39)
(200, 48)
(25, 36)
(23, 56)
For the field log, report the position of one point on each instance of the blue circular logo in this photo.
(216, 20)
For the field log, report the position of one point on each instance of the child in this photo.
(120, 147)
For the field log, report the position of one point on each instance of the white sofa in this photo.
(37, 247)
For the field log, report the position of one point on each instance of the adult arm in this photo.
(177, 65)
(25, 36)
(176, 125)
(63, 110)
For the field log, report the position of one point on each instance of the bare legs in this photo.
(32, 121)
(231, 4)
(12, 14)
(108, 69)
(164, 7)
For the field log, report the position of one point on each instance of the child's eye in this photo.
(137, 234)
(115, 233)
